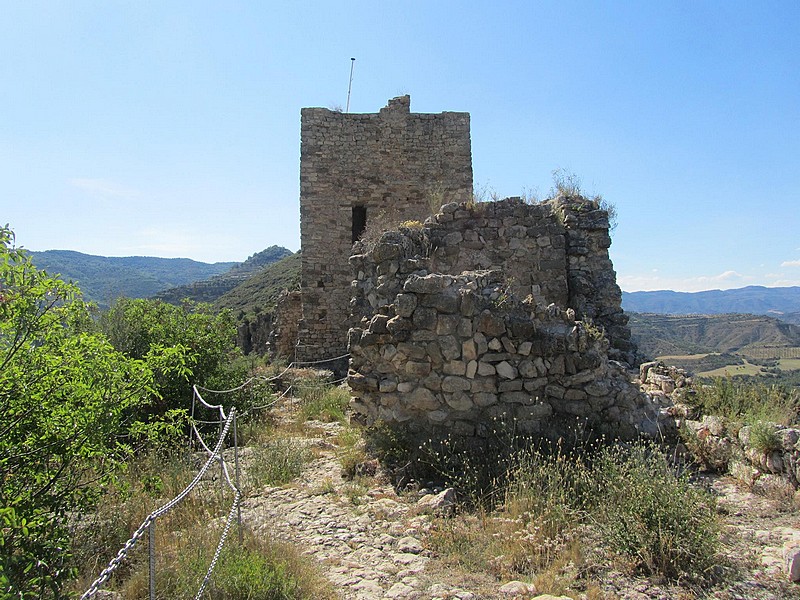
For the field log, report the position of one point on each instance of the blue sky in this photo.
(173, 128)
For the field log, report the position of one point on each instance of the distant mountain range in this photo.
(103, 278)
(662, 323)
(780, 302)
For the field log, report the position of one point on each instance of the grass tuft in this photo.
(321, 401)
(764, 438)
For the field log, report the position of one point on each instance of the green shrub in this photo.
(746, 402)
(204, 340)
(635, 506)
(652, 517)
(66, 399)
(764, 438)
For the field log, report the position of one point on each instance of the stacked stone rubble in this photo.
(719, 444)
(444, 349)
(556, 251)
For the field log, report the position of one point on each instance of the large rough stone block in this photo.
(423, 399)
(490, 324)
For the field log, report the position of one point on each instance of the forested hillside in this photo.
(103, 278)
(212, 289)
(660, 335)
(260, 291)
(757, 300)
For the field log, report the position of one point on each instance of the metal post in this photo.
(221, 459)
(236, 465)
(191, 430)
(350, 85)
(152, 550)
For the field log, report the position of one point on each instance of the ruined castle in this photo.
(353, 168)
(467, 311)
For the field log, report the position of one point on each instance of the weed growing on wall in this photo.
(764, 438)
(435, 195)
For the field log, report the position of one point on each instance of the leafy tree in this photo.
(140, 327)
(65, 400)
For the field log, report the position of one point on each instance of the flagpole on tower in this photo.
(350, 85)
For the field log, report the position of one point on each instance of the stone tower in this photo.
(353, 167)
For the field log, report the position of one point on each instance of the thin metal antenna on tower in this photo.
(350, 85)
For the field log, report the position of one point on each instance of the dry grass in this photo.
(789, 364)
(259, 568)
(564, 514)
(186, 537)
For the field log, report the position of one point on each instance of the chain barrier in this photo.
(218, 551)
(139, 533)
(115, 562)
(213, 455)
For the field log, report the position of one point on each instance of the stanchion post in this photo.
(191, 430)
(234, 416)
(221, 459)
(152, 552)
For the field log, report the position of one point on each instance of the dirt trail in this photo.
(370, 542)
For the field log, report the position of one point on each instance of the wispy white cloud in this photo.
(103, 188)
(784, 283)
(725, 277)
(791, 263)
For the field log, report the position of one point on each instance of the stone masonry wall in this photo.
(442, 349)
(453, 353)
(556, 251)
(366, 163)
(288, 312)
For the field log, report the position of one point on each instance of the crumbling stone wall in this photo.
(288, 312)
(442, 349)
(556, 251)
(354, 166)
(253, 333)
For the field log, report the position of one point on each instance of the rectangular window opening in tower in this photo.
(359, 221)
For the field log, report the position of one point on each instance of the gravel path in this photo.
(369, 542)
